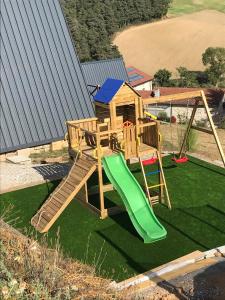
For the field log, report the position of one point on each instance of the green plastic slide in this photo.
(137, 205)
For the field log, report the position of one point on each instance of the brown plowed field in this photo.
(172, 42)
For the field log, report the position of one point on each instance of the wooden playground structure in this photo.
(120, 125)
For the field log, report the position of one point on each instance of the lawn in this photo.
(180, 7)
(197, 221)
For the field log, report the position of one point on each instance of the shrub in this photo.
(222, 125)
(192, 140)
(162, 116)
(202, 123)
(182, 118)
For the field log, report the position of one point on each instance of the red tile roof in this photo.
(214, 96)
(145, 77)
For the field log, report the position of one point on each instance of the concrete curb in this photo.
(170, 267)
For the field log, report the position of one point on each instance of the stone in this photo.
(3, 157)
(19, 159)
(58, 145)
(24, 152)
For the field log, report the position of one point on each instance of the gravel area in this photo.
(207, 283)
(17, 176)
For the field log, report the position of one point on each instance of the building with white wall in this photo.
(139, 80)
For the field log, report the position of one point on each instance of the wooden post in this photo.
(137, 130)
(213, 127)
(189, 127)
(100, 177)
(163, 179)
(113, 115)
(145, 181)
(158, 153)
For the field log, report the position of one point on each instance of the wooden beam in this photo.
(189, 127)
(205, 130)
(102, 105)
(115, 210)
(147, 124)
(171, 98)
(81, 121)
(95, 189)
(213, 127)
(113, 115)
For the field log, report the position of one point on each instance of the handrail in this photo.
(146, 125)
(110, 131)
(81, 121)
(82, 129)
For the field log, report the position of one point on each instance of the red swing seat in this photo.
(150, 161)
(181, 160)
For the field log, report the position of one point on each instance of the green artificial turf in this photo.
(197, 221)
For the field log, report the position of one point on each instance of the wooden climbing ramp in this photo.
(69, 187)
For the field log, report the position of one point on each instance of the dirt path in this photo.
(173, 42)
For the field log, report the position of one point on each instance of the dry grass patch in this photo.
(31, 271)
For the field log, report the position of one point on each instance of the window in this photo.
(130, 69)
(135, 76)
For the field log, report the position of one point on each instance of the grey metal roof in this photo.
(96, 72)
(42, 84)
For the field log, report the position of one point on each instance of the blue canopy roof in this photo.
(108, 90)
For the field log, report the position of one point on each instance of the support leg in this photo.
(213, 128)
(188, 128)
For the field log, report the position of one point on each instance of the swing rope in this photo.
(184, 158)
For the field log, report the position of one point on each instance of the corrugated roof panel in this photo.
(96, 72)
(42, 84)
(108, 90)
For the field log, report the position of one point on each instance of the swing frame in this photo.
(199, 97)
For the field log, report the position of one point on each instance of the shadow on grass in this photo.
(217, 210)
(207, 167)
(201, 220)
(132, 263)
(170, 167)
(123, 220)
(50, 187)
(184, 233)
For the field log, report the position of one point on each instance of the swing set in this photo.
(178, 160)
(199, 98)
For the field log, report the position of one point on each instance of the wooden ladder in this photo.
(161, 185)
(65, 192)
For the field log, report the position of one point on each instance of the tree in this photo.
(214, 60)
(186, 77)
(162, 77)
(93, 22)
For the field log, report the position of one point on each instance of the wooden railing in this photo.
(81, 133)
(99, 136)
(148, 134)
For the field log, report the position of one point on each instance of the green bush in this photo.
(192, 140)
(222, 126)
(162, 116)
(191, 143)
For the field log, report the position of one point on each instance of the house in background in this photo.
(215, 99)
(42, 84)
(96, 72)
(139, 80)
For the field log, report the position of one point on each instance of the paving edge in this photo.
(30, 184)
(169, 267)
